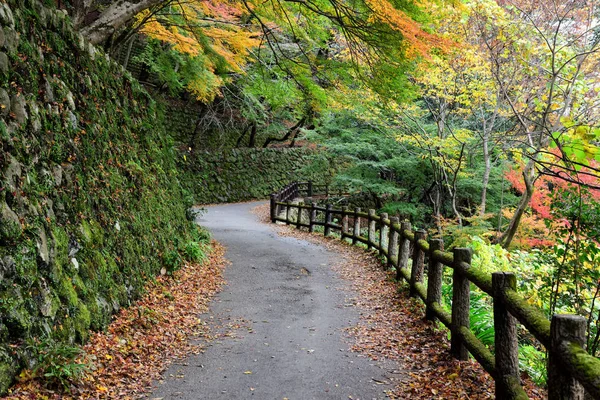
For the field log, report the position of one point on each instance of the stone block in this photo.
(4, 102)
(10, 225)
(4, 63)
(11, 39)
(18, 109)
(6, 16)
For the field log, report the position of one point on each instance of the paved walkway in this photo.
(291, 314)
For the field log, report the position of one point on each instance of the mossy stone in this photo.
(17, 317)
(81, 322)
(18, 104)
(10, 226)
(8, 371)
(6, 15)
(4, 63)
(4, 102)
(11, 40)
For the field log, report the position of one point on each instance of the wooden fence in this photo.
(572, 372)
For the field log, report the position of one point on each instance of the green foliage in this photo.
(194, 252)
(58, 363)
(179, 72)
(482, 317)
(172, 261)
(473, 232)
(415, 212)
(202, 235)
(533, 362)
(488, 257)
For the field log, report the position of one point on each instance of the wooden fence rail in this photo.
(571, 370)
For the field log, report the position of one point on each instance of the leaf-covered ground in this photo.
(143, 339)
(392, 326)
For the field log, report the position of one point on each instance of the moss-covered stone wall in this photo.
(90, 198)
(244, 174)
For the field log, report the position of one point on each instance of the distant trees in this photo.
(544, 58)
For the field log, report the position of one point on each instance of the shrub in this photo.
(194, 252)
(58, 363)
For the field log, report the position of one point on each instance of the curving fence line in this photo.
(572, 372)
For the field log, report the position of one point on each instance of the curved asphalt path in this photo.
(292, 314)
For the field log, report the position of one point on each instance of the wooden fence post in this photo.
(312, 217)
(309, 188)
(328, 219)
(383, 233)
(506, 341)
(562, 386)
(461, 301)
(299, 216)
(404, 249)
(392, 249)
(371, 225)
(273, 207)
(434, 279)
(418, 265)
(356, 232)
(287, 212)
(344, 222)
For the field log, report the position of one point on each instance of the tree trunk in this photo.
(289, 133)
(486, 172)
(243, 135)
(252, 141)
(118, 14)
(528, 176)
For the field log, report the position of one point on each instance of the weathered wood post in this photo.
(404, 249)
(564, 328)
(309, 189)
(461, 301)
(328, 219)
(371, 225)
(287, 212)
(299, 216)
(383, 233)
(392, 249)
(434, 279)
(344, 222)
(312, 217)
(356, 232)
(418, 265)
(506, 341)
(307, 202)
(273, 208)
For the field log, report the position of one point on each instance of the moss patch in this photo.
(89, 185)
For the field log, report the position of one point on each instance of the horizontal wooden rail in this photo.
(570, 367)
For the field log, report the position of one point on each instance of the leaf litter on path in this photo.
(144, 339)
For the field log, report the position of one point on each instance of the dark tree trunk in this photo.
(528, 176)
(252, 141)
(292, 131)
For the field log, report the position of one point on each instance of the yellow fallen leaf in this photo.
(101, 388)
(248, 372)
